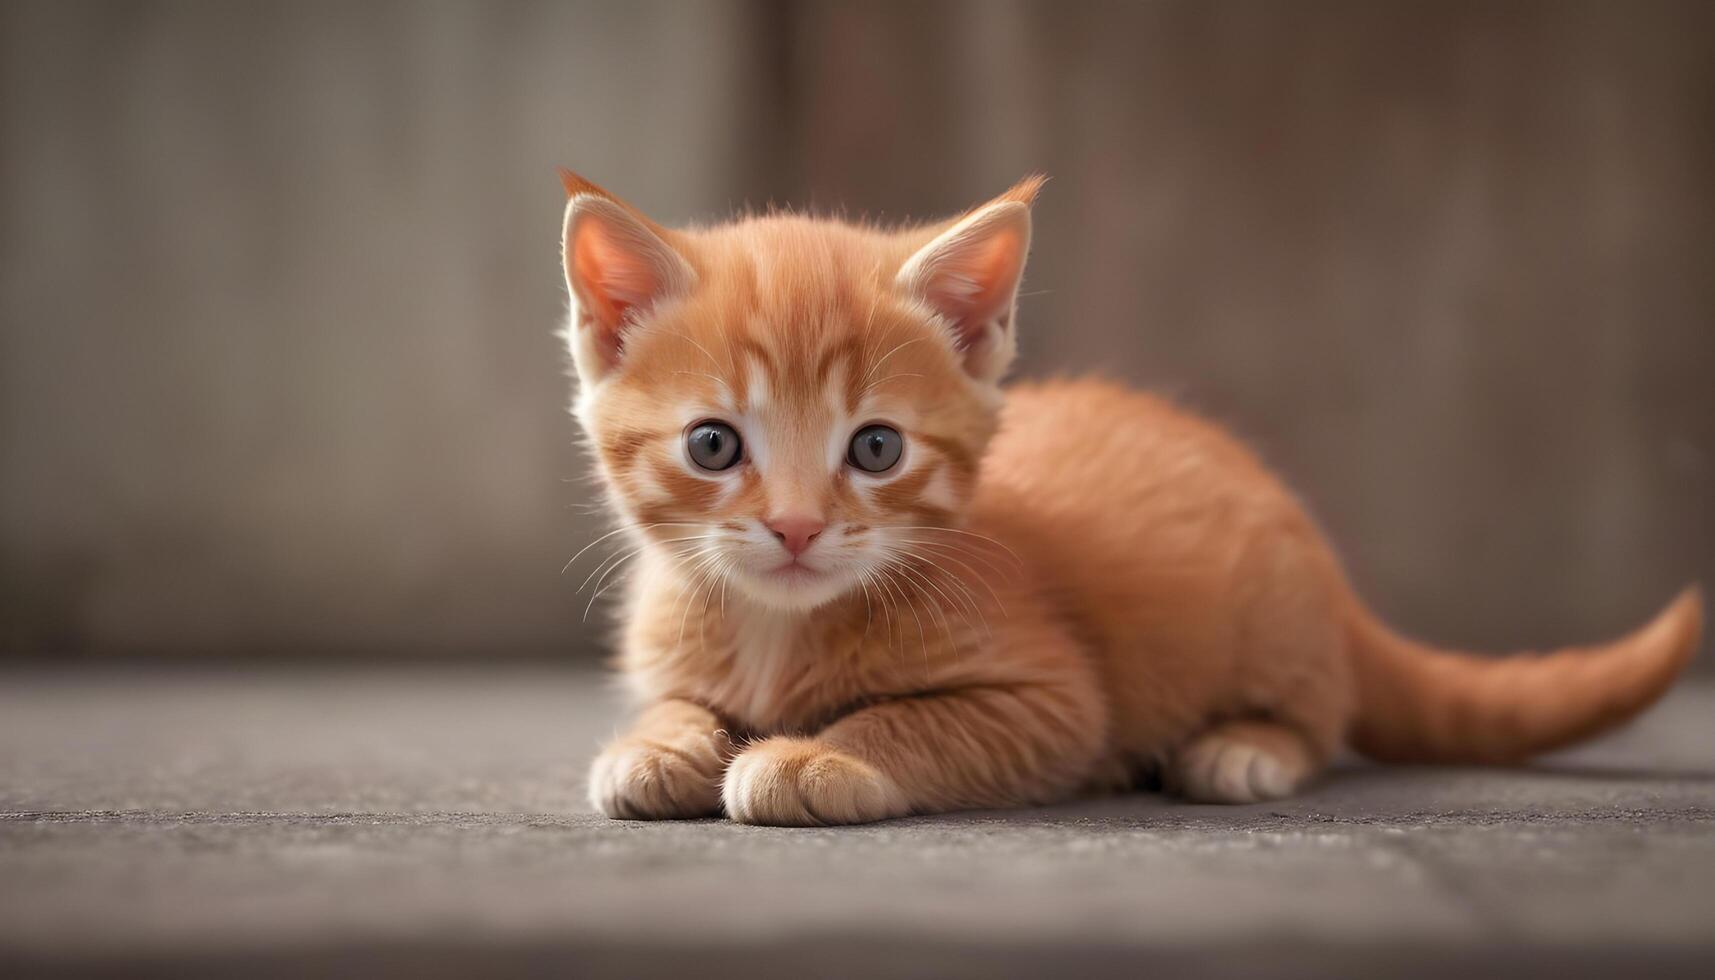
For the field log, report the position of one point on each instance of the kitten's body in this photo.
(1109, 585)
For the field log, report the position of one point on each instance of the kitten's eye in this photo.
(713, 445)
(875, 448)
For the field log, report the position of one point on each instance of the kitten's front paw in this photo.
(1228, 767)
(638, 779)
(801, 783)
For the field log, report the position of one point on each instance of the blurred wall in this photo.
(278, 281)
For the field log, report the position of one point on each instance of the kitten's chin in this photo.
(794, 590)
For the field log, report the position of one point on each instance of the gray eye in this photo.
(713, 445)
(875, 448)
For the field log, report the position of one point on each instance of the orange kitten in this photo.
(870, 582)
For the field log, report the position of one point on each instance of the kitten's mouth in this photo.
(796, 584)
(794, 571)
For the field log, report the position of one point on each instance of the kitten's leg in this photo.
(668, 766)
(976, 747)
(1243, 762)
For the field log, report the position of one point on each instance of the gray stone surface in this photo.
(430, 822)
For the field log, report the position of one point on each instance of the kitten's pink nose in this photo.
(796, 531)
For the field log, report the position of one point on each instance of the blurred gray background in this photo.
(278, 282)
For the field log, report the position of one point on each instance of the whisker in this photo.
(601, 590)
(952, 554)
(692, 341)
(609, 569)
(916, 574)
(638, 550)
(701, 571)
(869, 321)
(721, 567)
(723, 590)
(705, 374)
(922, 637)
(684, 557)
(704, 585)
(886, 601)
(954, 530)
(624, 527)
(895, 350)
(592, 544)
(891, 377)
(958, 586)
(935, 609)
(868, 613)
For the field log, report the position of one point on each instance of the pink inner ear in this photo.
(974, 281)
(614, 278)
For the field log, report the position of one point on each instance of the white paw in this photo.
(1218, 769)
(799, 783)
(634, 779)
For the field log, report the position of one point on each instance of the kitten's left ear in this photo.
(618, 266)
(969, 275)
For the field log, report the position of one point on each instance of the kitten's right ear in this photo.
(969, 276)
(618, 267)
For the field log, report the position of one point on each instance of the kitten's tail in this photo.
(1419, 704)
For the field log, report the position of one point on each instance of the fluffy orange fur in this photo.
(1057, 589)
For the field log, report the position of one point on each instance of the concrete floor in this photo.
(430, 822)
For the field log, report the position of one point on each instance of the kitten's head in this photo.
(791, 404)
